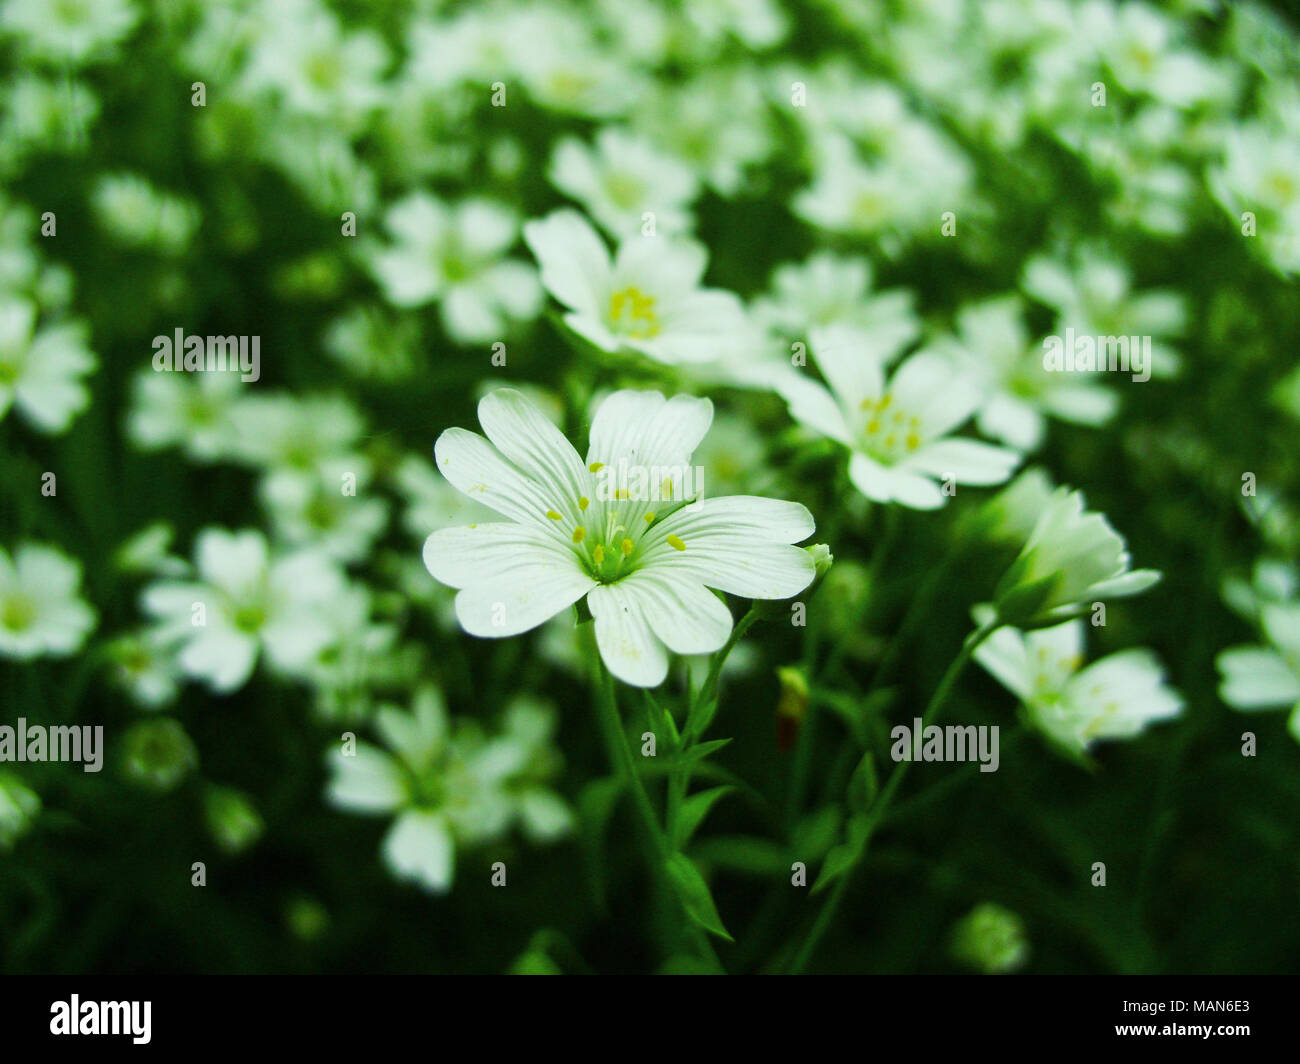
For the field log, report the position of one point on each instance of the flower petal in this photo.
(684, 615)
(574, 262)
(628, 647)
(520, 597)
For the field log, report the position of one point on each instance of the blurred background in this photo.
(347, 183)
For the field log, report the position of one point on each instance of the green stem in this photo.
(881, 804)
(622, 762)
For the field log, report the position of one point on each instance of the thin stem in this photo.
(622, 762)
(881, 804)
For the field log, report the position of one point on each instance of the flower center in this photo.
(606, 533)
(17, 613)
(632, 314)
(888, 433)
(625, 190)
(249, 617)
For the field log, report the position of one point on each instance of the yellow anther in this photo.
(583, 503)
(666, 488)
(873, 426)
(596, 467)
(890, 440)
(913, 441)
(622, 493)
(885, 400)
(579, 534)
(899, 417)
(626, 547)
(552, 515)
(867, 404)
(598, 555)
(676, 543)
(650, 518)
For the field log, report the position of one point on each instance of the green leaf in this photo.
(815, 834)
(693, 811)
(694, 893)
(699, 751)
(661, 720)
(744, 854)
(838, 861)
(863, 784)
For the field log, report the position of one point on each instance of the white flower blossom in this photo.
(41, 609)
(1113, 698)
(646, 300)
(41, 368)
(897, 431)
(244, 602)
(616, 528)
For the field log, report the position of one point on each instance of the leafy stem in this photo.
(880, 805)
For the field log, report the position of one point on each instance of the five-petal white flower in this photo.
(646, 300)
(644, 556)
(896, 432)
(1114, 698)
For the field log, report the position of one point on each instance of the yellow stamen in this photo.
(596, 467)
(666, 488)
(626, 547)
(913, 441)
(622, 493)
(676, 543)
(583, 503)
(885, 400)
(598, 555)
(873, 426)
(579, 534)
(650, 517)
(552, 515)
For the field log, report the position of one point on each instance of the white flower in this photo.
(193, 412)
(456, 255)
(1072, 559)
(563, 68)
(446, 786)
(278, 432)
(993, 348)
(68, 30)
(1261, 174)
(525, 759)
(1114, 698)
(138, 215)
(621, 179)
(897, 432)
(830, 289)
(893, 195)
(643, 557)
(41, 610)
(646, 300)
(1273, 582)
(144, 665)
(243, 602)
(330, 511)
(314, 66)
(41, 369)
(717, 121)
(1092, 293)
(1267, 677)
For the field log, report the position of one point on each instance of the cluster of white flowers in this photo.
(654, 115)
